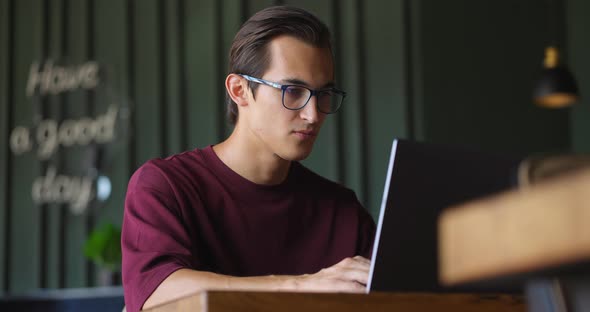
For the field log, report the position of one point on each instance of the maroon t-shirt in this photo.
(192, 211)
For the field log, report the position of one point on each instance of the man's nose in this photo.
(310, 112)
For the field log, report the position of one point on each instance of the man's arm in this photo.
(349, 275)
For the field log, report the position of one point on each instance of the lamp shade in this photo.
(556, 87)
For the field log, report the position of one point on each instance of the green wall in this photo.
(579, 49)
(478, 61)
(441, 71)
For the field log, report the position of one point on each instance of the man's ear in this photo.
(237, 88)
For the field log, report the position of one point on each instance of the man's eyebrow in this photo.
(300, 82)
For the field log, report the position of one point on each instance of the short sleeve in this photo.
(366, 234)
(154, 240)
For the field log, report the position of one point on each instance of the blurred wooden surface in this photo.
(311, 302)
(540, 227)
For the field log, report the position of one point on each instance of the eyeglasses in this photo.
(296, 97)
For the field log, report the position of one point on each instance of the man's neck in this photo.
(252, 162)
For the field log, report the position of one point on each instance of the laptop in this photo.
(422, 180)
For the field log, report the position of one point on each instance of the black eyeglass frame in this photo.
(312, 92)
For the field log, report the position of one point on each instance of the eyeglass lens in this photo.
(296, 97)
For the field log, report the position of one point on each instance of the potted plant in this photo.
(103, 248)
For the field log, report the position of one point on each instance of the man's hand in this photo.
(348, 275)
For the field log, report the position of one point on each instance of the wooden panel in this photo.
(5, 125)
(174, 101)
(111, 48)
(202, 77)
(260, 301)
(385, 89)
(414, 68)
(519, 232)
(349, 73)
(146, 88)
(24, 235)
(76, 106)
(50, 237)
(578, 47)
(111, 44)
(231, 20)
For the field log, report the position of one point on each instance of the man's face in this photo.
(289, 134)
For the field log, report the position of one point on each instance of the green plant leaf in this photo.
(103, 246)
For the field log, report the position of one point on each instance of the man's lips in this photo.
(306, 133)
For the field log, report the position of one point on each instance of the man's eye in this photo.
(325, 93)
(295, 92)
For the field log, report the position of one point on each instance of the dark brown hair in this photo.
(249, 51)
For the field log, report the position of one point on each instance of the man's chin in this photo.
(300, 158)
(298, 155)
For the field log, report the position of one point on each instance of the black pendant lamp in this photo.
(556, 87)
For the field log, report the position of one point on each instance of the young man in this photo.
(245, 214)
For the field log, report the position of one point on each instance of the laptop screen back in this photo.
(422, 180)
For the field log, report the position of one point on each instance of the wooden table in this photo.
(216, 301)
(542, 231)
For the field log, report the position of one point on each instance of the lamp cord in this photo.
(551, 23)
